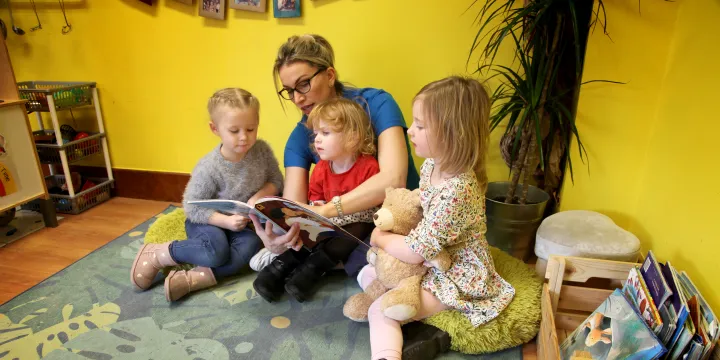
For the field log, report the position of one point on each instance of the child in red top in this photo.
(326, 183)
(344, 142)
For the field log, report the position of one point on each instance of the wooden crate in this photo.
(575, 288)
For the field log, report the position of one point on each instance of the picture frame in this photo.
(249, 5)
(286, 8)
(214, 9)
(186, 2)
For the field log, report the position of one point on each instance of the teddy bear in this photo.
(399, 281)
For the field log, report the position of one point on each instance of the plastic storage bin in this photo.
(65, 94)
(75, 150)
(81, 201)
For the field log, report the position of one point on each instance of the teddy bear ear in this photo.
(416, 192)
(388, 190)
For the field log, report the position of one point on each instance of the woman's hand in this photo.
(277, 244)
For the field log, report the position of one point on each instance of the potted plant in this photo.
(536, 100)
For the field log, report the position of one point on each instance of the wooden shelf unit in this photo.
(21, 159)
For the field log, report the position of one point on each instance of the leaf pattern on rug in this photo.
(228, 321)
(236, 290)
(19, 341)
(129, 251)
(139, 339)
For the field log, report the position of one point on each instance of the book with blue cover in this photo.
(615, 330)
(677, 303)
(658, 287)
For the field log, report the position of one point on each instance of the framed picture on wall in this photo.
(286, 8)
(250, 5)
(212, 9)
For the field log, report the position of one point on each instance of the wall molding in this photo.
(142, 184)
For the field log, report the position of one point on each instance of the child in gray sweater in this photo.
(240, 168)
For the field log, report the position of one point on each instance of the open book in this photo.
(283, 213)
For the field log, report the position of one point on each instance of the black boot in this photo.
(303, 281)
(270, 281)
(423, 342)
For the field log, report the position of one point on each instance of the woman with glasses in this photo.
(305, 69)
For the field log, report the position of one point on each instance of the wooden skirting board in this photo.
(140, 184)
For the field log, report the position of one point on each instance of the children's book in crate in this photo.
(658, 287)
(283, 213)
(706, 321)
(685, 329)
(615, 330)
(636, 290)
(676, 306)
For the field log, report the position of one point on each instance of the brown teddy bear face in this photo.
(400, 212)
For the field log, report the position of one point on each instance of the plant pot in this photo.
(512, 227)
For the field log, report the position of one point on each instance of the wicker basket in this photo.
(81, 201)
(75, 150)
(65, 94)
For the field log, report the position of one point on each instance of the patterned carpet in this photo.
(91, 311)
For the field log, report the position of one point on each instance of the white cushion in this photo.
(585, 234)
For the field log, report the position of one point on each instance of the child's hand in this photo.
(379, 238)
(317, 208)
(235, 222)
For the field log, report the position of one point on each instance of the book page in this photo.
(234, 207)
(313, 227)
(224, 206)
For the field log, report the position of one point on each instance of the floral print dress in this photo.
(454, 220)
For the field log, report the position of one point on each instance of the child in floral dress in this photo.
(450, 129)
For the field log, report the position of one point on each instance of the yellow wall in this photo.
(614, 121)
(156, 66)
(678, 195)
(652, 158)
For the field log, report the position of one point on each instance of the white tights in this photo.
(385, 335)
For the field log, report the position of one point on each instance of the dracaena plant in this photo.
(536, 107)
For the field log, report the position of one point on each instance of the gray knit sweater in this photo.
(216, 178)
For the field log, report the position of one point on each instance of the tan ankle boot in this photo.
(148, 262)
(180, 283)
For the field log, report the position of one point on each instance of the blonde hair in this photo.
(234, 98)
(457, 111)
(312, 49)
(348, 118)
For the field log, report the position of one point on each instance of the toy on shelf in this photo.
(64, 145)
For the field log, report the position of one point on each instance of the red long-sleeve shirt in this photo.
(324, 184)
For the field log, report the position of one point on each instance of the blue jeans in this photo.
(357, 259)
(225, 251)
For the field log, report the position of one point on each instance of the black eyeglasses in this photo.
(302, 87)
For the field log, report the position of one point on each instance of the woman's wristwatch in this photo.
(338, 206)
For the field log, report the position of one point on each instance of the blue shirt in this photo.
(384, 113)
